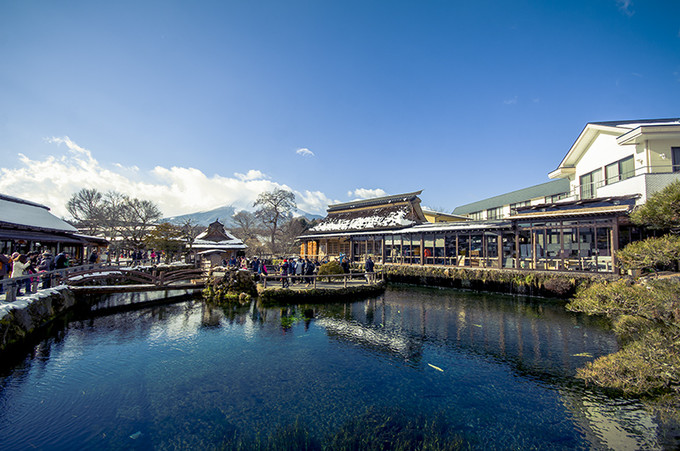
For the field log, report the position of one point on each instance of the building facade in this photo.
(575, 223)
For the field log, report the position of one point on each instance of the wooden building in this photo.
(28, 226)
(579, 235)
(215, 244)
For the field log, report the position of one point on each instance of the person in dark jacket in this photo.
(4, 269)
(61, 260)
(284, 274)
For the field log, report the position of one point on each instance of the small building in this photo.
(27, 226)
(215, 244)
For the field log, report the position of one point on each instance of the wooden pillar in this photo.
(517, 253)
(615, 242)
(596, 251)
(533, 247)
(499, 249)
(455, 256)
(422, 250)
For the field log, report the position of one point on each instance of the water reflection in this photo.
(498, 369)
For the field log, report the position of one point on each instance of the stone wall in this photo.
(552, 284)
(20, 318)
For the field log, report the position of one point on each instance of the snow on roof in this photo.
(385, 217)
(19, 212)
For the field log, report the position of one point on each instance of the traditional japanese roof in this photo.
(20, 213)
(382, 213)
(215, 237)
(522, 195)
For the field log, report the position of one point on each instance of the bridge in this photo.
(104, 278)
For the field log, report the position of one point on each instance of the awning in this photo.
(44, 237)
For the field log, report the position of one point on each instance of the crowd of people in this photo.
(34, 262)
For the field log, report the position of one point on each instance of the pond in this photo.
(414, 366)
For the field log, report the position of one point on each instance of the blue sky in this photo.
(200, 104)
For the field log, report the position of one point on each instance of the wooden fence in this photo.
(315, 279)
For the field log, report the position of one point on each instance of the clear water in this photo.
(496, 371)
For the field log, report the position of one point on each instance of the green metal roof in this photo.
(544, 189)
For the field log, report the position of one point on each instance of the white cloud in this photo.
(512, 101)
(363, 193)
(252, 174)
(314, 202)
(304, 152)
(176, 190)
(625, 7)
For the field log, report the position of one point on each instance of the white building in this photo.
(619, 158)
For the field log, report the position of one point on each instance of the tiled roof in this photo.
(407, 197)
(382, 217)
(18, 212)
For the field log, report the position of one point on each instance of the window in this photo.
(621, 170)
(675, 153)
(477, 215)
(589, 184)
(555, 197)
(514, 207)
(494, 213)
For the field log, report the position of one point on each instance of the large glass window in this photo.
(494, 213)
(675, 153)
(621, 170)
(589, 184)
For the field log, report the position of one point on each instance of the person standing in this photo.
(309, 270)
(4, 269)
(61, 260)
(368, 266)
(46, 264)
(284, 274)
(299, 269)
(20, 263)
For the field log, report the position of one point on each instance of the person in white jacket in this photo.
(19, 265)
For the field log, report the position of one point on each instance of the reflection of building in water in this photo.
(367, 336)
(614, 426)
(540, 339)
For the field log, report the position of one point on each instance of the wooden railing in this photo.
(315, 279)
(97, 273)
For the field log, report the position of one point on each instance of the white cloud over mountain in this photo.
(176, 190)
(363, 193)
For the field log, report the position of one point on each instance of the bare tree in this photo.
(290, 230)
(273, 207)
(247, 225)
(87, 208)
(190, 231)
(136, 218)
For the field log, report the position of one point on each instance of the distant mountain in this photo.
(222, 214)
(204, 218)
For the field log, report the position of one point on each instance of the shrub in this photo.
(650, 253)
(330, 268)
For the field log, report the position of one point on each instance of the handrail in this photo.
(371, 277)
(11, 285)
(72, 276)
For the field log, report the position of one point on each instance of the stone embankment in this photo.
(551, 284)
(24, 316)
